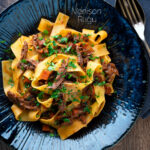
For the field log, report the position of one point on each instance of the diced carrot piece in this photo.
(26, 80)
(93, 90)
(45, 128)
(45, 75)
(40, 51)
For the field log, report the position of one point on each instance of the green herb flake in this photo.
(55, 93)
(54, 43)
(100, 28)
(75, 100)
(83, 77)
(68, 49)
(50, 83)
(92, 45)
(100, 83)
(51, 50)
(40, 38)
(37, 116)
(40, 95)
(69, 76)
(89, 72)
(71, 64)
(66, 120)
(20, 119)
(22, 94)
(2, 42)
(19, 34)
(87, 109)
(102, 60)
(27, 85)
(87, 35)
(57, 36)
(11, 82)
(64, 40)
(24, 61)
(103, 73)
(37, 103)
(51, 67)
(45, 32)
(30, 49)
(93, 58)
(51, 134)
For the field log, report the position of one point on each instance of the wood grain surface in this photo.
(137, 139)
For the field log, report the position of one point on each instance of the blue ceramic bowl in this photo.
(121, 110)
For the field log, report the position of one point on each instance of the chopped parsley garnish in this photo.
(68, 49)
(63, 40)
(57, 36)
(11, 82)
(87, 35)
(51, 67)
(30, 49)
(63, 89)
(27, 85)
(51, 50)
(75, 100)
(2, 41)
(20, 119)
(71, 64)
(89, 72)
(40, 95)
(84, 97)
(51, 134)
(100, 83)
(92, 45)
(87, 109)
(82, 77)
(93, 58)
(19, 34)
(34, 90)
(22, 94)
(102, 60)
(40, 38)
(54, 43)
(69, 76)
(37, 103)
(103, 73)
(100, 28)
(55, 93)
(37, 116)
(24, 61)
(50, 83)
(66, 120)
(45, 32)
(75, 41)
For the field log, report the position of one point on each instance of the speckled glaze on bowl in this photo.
(121, 110)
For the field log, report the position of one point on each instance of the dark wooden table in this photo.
(139, 136)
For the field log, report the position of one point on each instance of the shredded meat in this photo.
(61, 72)
(86, 50)
(38, 44)
(24, 50)
(85, 38)
(69, 36)
(80, 59)
(99, 77)
(107, 90)
(110, 71)
(30, 64)
(25, 102)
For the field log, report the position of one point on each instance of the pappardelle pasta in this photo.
(59, 76)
